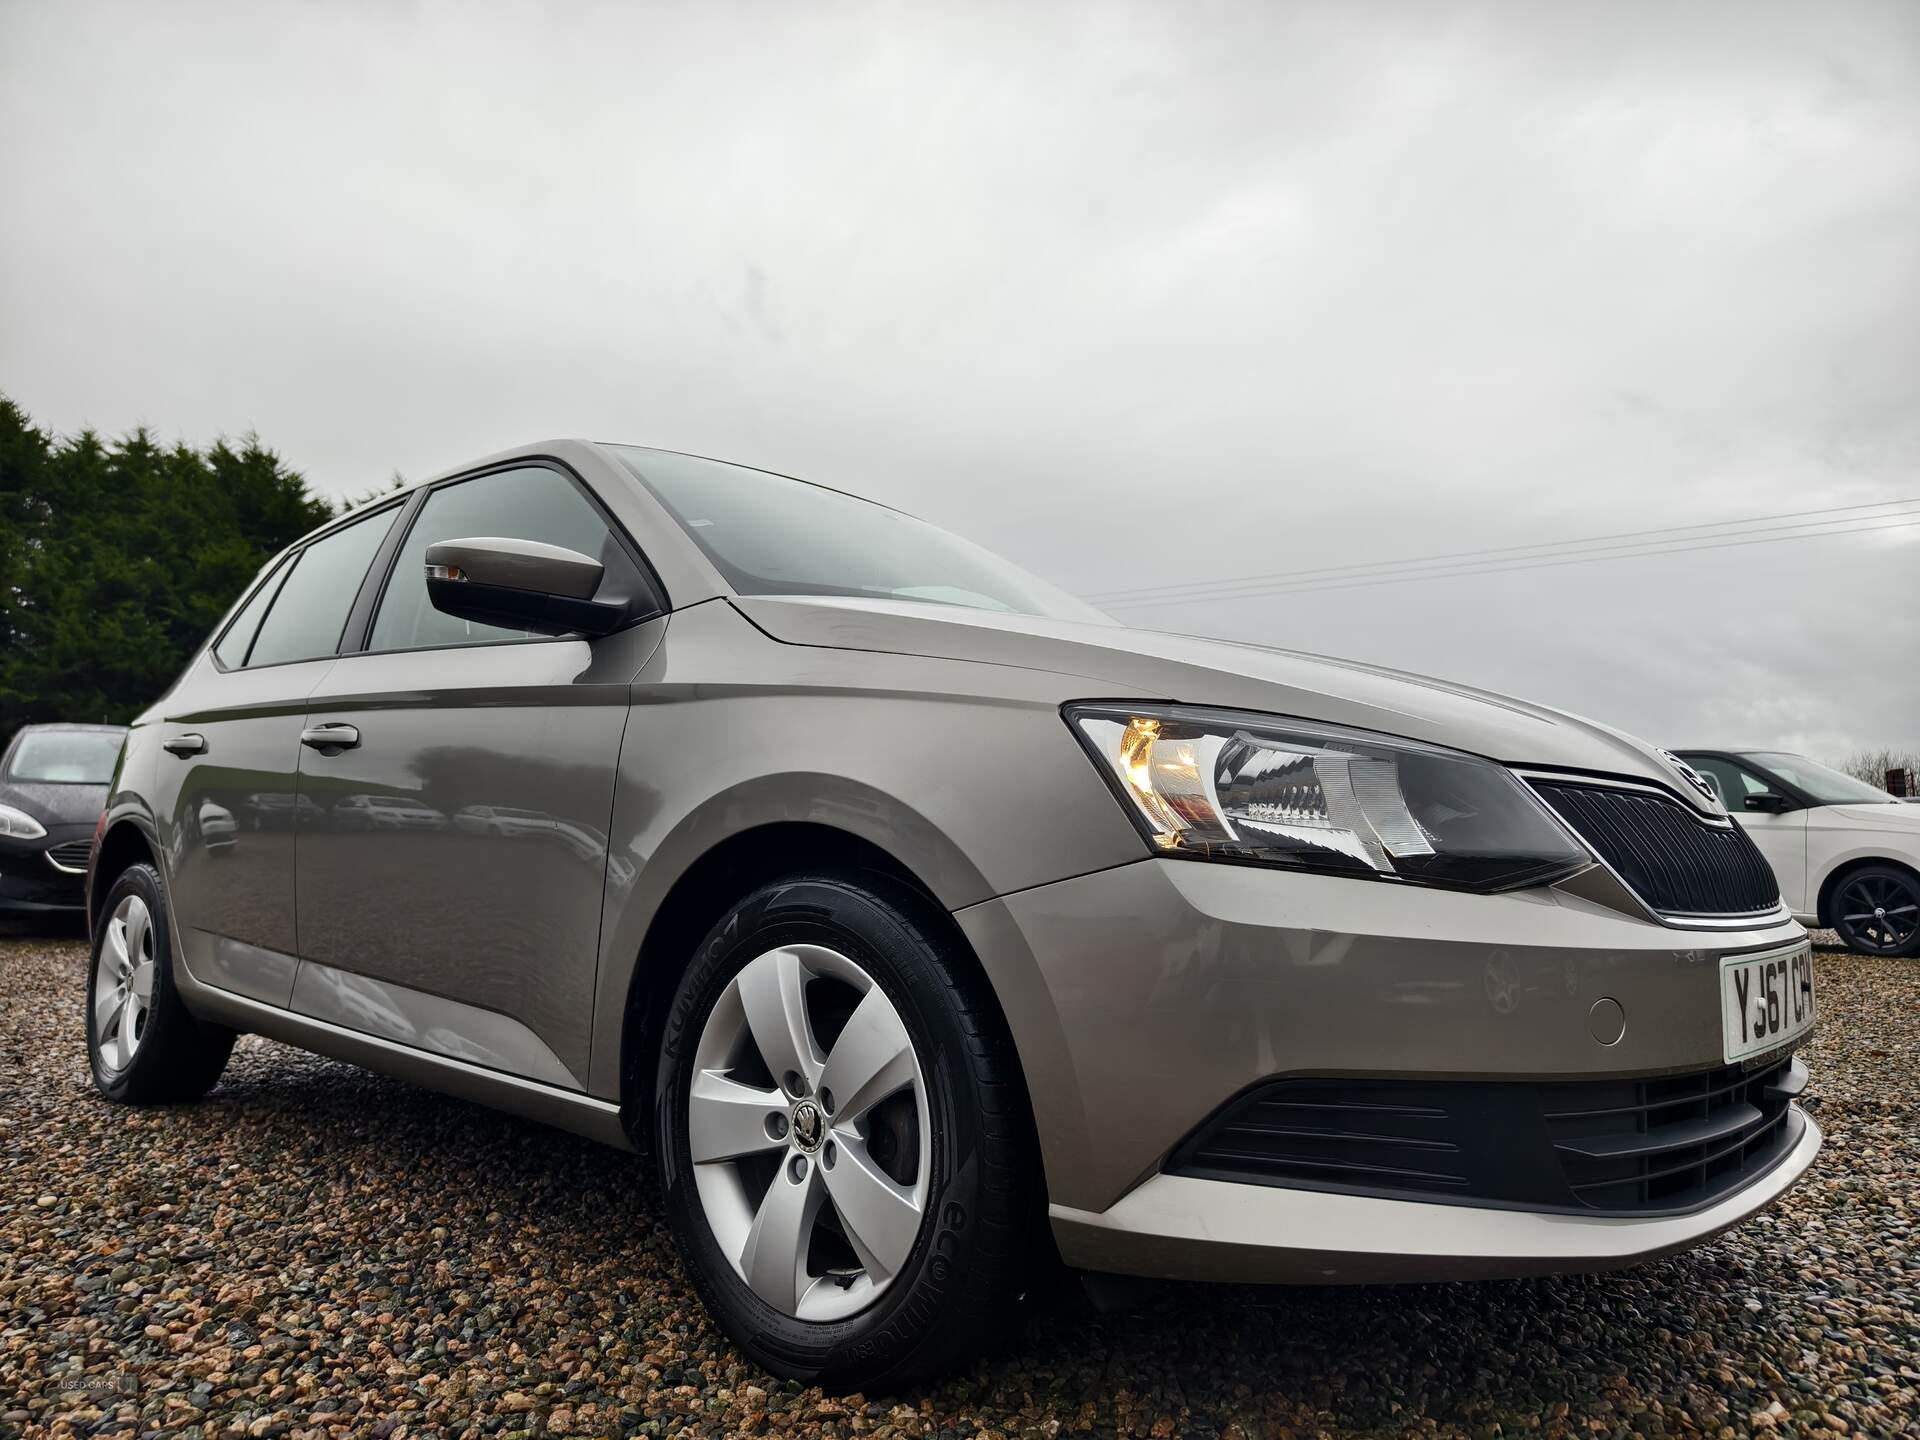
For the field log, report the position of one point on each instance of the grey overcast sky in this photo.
(1136, 294)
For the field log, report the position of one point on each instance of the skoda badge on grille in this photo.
(1692, 776)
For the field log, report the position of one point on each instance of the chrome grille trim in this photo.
(70, 857)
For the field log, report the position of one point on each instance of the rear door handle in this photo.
(185, 745)
(330, 739)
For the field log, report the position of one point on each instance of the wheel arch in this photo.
(1843, 868)
(711, 885)
(125, 842)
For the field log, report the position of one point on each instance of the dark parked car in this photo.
(53, 786)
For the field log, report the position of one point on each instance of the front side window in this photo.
(534, 503)
(310, 612)
(1732, 782)
(770, 535)
(65, 757)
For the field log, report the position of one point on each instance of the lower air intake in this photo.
(1623, 1147)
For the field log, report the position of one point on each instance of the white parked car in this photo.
(1847, 855)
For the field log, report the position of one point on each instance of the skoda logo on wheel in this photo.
(806, 1125)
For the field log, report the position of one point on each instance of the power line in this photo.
(1839, 512)
(1439, 569)
(1303, 587)
(1676, 531)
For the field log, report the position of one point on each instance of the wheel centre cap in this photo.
(807, 1125)
(1879, 912)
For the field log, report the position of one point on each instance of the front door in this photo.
(227, 782)
(457, 785)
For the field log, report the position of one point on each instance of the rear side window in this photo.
(233, 646)
(534, 503)
(310, 611)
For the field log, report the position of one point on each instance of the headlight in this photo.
(18, 825)
(1226, 785)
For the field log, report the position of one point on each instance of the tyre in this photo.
(1876, 910)
(145, 1047)
(842, 1136)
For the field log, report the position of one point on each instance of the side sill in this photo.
(568, 1110)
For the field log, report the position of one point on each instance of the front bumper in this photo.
(1176, 1227)
(1144, 998)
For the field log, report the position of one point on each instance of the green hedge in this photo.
(117, 558)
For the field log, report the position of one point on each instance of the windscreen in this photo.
(66, 757)
(770, 535)
(1827, 785)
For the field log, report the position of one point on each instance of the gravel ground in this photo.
(317, 1251)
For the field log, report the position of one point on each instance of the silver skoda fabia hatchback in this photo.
(920, 924)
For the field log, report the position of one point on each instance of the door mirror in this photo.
(1768, 801)
(520, 585)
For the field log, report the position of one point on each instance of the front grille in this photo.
(71, 855)
(1615, 1146)
(1679, 864)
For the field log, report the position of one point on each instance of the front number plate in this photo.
(1765, 1000)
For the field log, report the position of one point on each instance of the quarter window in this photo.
(233, 646)
(533, 503)
(310, 611)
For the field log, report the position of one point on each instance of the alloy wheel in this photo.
(1878, 913)
(807, 1127)
(123, 984)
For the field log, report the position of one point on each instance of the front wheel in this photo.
(1876, 911)
(843, 1142)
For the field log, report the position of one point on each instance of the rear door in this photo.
(226, 787)
(453, 859)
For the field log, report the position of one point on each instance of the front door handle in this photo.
(330, 739)
(185, 745)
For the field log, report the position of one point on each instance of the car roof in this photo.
(73, 726)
